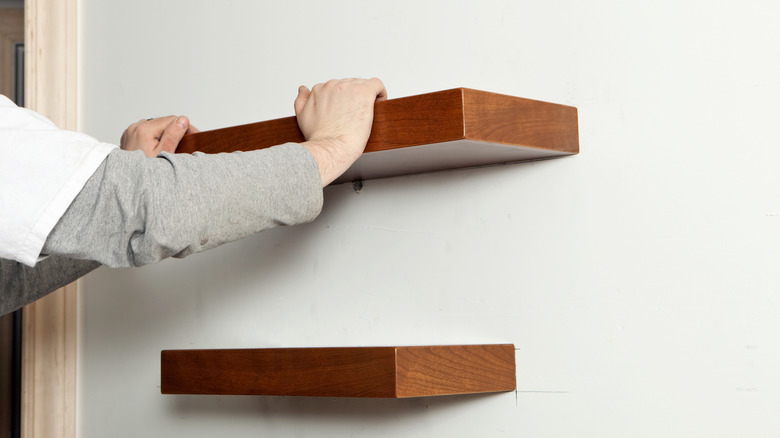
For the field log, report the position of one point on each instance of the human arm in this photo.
(137, 210)
(144, 210)
(182, 198)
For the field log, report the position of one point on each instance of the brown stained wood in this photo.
(457, 369)
(408, 121)
(374, 372)
(498, 118)
(443, 130)
(243, 137)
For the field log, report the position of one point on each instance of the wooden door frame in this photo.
(49, 345)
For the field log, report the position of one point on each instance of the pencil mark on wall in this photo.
(543, 392)
(747, 389)
(518, 392)
(388, 229)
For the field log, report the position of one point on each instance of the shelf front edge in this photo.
(398, 123)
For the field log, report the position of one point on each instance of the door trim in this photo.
(49, 344)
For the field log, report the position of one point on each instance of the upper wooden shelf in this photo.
(375, 372)
(444, 130)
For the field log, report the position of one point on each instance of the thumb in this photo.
(303, 97)
(172, 135)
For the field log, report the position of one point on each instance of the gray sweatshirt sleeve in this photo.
(21, 284)
(137, 210)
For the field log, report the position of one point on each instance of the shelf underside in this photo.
(373, 372)
(435, 157)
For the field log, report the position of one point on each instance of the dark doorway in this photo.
(12, 86)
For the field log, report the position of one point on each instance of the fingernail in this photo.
(182, 121)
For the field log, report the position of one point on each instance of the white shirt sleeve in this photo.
(42, 169)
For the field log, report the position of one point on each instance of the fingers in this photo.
(379, 88)
(374, 84)
(335, 118)
(153, 128)
(172, 134)
(153, 136)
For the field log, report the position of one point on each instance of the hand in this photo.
(154, 136)
(336, 118)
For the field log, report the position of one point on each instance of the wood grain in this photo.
(374, 372)
(461, 117)
(498, 118)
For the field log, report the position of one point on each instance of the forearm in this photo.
(21, 284)
(137, 210)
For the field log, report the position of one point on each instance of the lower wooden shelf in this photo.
(375, 372)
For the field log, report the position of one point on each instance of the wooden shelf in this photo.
(376, 372)
(444, 130)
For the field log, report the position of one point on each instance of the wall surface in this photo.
(639, 280)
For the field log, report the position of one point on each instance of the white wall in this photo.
(639, 280)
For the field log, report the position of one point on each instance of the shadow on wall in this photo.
(282, 409)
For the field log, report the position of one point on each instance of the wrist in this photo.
(333, 155)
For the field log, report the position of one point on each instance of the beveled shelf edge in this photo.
(443, 117)
(368, 372)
